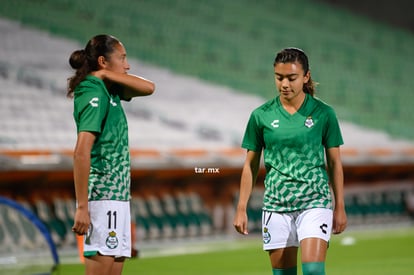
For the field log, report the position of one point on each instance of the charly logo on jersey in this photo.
(275, 123)
(266, 236)
(94, 102)
(113, 103)
(309, 122)
(112, 240)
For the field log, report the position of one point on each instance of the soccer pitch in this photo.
(379, 252)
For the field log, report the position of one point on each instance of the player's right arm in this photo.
(133, 85)
(248, 179)
(81, 168)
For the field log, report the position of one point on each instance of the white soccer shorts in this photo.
(282, 230)
(110, 230)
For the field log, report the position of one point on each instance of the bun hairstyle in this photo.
(291, 55)
(77, 59)
(85, 61)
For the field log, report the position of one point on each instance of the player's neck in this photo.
(292, 105)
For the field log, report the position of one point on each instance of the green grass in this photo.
(374, 252)
(383, 252)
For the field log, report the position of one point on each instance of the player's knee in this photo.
(313, 268)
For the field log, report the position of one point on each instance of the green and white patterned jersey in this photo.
(96, 110)
(294, 154)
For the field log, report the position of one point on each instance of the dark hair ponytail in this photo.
(77, 59)
(85, 61)
(290, 55)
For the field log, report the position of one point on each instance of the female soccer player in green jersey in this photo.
(295, 131)
(101, 157)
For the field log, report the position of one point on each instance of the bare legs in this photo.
(104, 265)
(312, 250)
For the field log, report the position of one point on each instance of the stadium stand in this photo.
(383, 203)
(217, 41)
(191, 121)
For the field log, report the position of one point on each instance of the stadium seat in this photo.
(64, 210)
(176, 219)
(198, 208)
(158, 216)
(7, 241)
(18, 230)
(145, 226)
(11, 225)
(56, 226)
(3, 237)
(191, 218)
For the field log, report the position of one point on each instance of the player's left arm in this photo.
(336, 178)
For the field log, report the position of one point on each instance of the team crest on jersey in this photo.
(309, 122)
(112, 240)
(266, 236)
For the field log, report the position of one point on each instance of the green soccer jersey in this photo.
(98, 111)
(293, 146)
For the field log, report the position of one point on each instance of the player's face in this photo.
(290, 78)
(117, 61)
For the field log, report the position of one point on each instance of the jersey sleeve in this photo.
(90, 109)
(332, 136)
(253, 139)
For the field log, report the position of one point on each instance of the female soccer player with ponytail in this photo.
(295, 131)
(101, 158)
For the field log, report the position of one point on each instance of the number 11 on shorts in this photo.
(110, 214)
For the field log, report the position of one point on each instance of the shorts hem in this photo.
(90, 253)
(327, 239)
(96, 252)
